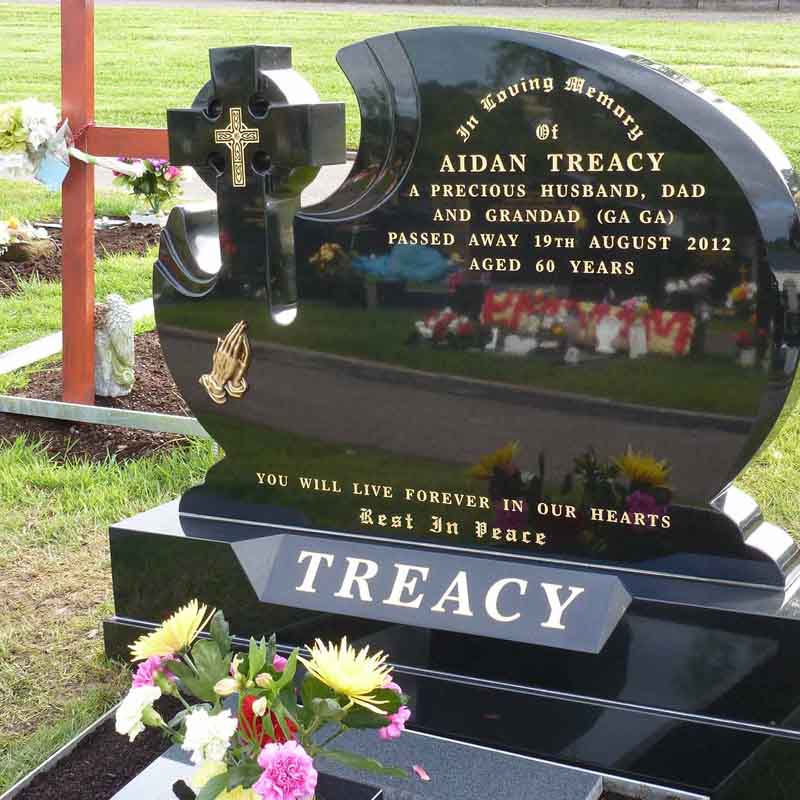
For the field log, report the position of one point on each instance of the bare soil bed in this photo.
(154, 390)
(101, 764)
(125, 238)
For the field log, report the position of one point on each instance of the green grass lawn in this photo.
(150, 59)
(28, 200)
(35, 309)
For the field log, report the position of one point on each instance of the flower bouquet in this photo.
(33, 144)
(20, 241)
(253, 731)
(157, 182)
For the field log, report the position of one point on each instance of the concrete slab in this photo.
(457, 771)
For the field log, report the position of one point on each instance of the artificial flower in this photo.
(499, 459)
(147, 671)
(173, 635)
(252, 724)
(289, 773)
(643, 469)
(356, 675)
(208, 736)
(132, 713)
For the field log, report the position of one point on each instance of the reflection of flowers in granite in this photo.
(334, 265)
(639, 502)
(510, 517)
(740, 299)
(508, 482)
(448, 327)
(642, 469)
(501, 459)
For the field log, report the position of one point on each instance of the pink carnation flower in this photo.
(279, 663)
(289, 773)
(147, 671)
(397, 724)
(397, 721)
(171, 173)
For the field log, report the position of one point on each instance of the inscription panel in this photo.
(548, 313)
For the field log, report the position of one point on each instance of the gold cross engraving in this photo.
(229, 366)
(236, 136)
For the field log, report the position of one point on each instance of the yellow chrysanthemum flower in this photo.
(173, 635)
(642, 468)
(484, 469)
(356, 675)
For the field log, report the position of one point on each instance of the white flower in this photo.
(208, 737)
(5, 234)
(131, 709)
(40, 120)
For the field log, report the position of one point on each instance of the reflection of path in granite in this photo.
(340, 401)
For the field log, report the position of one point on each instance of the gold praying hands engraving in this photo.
(236, 136)
(229, 366)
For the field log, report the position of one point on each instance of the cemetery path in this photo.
(507, 12)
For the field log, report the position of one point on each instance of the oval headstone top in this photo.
(551, 312)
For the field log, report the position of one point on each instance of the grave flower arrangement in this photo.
(34, 142)
(15, 232)
(158, 181)
(251, 728)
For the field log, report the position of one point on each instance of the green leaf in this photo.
(256, 657)
(194, 685)
(215, 787)
(364, 719)
(288, 673)
(221, 633)
(312, 688)
(360, 762)
(328, 709)
(272, 649)
(386, 699)
(280, 715)
(209, 664)
(289, 700)
(243, 775)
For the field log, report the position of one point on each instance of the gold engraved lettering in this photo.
(475, 163)
(602, 162)
(430, 238)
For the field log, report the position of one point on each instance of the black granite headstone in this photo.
(483, 407)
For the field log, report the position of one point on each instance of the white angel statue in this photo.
(113, 348)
